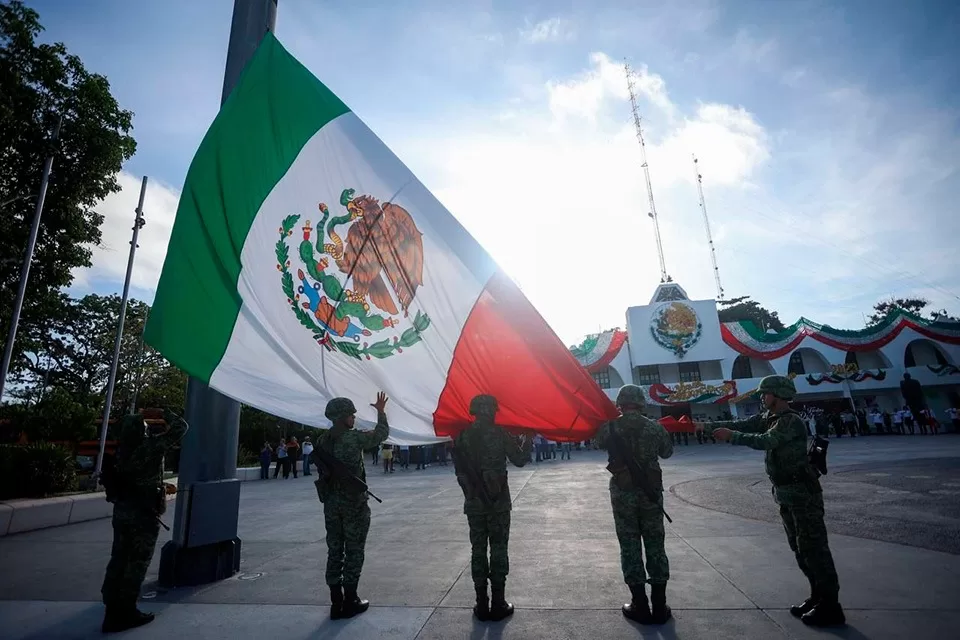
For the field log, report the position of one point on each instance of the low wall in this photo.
(30, 514)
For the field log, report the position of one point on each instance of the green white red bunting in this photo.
(748, 339)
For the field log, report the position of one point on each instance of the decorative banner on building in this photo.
(841, 372)
(944, 369)
(597, 351)
(675, 327)
(746, 338)
(692, 393)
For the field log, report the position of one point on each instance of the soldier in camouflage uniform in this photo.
(480, 454)
(139, 498)
(638, 518)
(796, 487)
(346, 513)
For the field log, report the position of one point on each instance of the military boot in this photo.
(352, 604)
(336, 602)
(660, 612)
(638, 609)
(798, 610)
(826, 613)
(123, 617)
(482, 608)
(499, 607)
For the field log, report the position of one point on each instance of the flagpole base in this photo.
(192, 566)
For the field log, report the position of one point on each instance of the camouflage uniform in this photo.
(346, 513)
(638, 520)
(796, 487)
(141, 500)
(487, 447)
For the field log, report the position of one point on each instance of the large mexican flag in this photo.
(307, 262)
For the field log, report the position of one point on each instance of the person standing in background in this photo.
(307, 450)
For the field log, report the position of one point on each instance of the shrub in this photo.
(246, 458)
(36, 470)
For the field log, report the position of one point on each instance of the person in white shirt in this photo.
(307, 450)
(954, 417)
(877, 418)
(281, 457)
(898, 421)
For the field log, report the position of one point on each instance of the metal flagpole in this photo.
(28, 258)
(204, 545)
(139, 379)
(137, 225)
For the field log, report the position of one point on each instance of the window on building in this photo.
(796, 364)
(741, 368)
(852, 359)
(602, 378)
(647, 375)
(689, 372)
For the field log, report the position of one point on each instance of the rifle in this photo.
(341, 472)
(636, 473)
(462, 463)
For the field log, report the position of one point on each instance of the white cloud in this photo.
(110, 258)
(556, 192)
(551, 30)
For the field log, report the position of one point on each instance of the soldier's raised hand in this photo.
(381, 404)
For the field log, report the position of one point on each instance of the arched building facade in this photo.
(688, 362)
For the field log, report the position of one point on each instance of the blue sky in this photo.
(827, 134)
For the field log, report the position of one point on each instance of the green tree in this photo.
(38, 83)
(743, 308)
(885, 307)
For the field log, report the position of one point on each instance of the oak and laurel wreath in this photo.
(382, 349)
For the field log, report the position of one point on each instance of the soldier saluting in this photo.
(796, 487)
(346, 513)
(634, 443)
(134, 484)
(479, 457)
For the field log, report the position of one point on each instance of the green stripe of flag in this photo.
(276, 107)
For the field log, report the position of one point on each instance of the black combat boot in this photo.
(336, 602)
(482, 608)
(826, 613)
(638, 609)
(352, 604)
(660, 612)
(798, 610)
(499, 607)
(123, 617)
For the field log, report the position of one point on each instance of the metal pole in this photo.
(136, 385)
(28, 258)
(137, 225)
(208, 457)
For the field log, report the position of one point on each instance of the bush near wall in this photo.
(37, 470)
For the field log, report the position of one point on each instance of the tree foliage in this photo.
(38, 83)
(743, 308)
(885, 307)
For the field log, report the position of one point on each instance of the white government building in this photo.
(689, 363)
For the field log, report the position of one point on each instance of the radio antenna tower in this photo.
(706, 222)
(646, 170)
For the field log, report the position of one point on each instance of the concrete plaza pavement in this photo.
(731, 576)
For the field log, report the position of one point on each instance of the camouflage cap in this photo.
(484, 405)
(780, 386)
(339, 408)
(631, 394)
